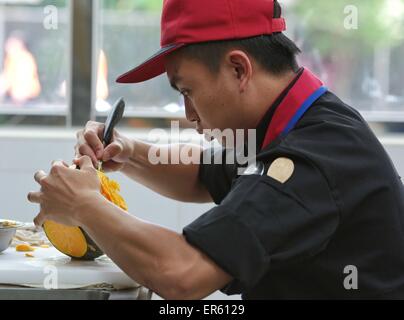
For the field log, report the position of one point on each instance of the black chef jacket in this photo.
(343, 206)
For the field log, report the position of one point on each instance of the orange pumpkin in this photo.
(74, 241)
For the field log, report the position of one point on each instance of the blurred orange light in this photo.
(20, 74)
(102, 77)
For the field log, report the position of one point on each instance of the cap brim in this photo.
(149, 69)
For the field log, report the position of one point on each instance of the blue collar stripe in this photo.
(302, 110)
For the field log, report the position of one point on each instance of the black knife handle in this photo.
(113, 118)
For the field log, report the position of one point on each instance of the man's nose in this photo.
(190, 112)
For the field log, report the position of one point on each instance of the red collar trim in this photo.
(302, 90)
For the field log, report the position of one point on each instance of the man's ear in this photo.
(241, 67)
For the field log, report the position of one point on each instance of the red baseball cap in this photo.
(194, 21)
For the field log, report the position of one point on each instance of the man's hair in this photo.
(276, 53)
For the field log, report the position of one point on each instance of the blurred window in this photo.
(33, 62)
(355, 46)
(129, 33)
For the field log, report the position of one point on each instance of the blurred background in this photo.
(59, 60)
(363, 65)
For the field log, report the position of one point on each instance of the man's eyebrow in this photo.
(173, 82)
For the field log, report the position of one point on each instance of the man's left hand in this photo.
(65, 192)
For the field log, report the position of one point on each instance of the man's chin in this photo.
(208, 137)
(206, 134)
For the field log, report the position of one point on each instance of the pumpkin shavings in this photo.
(110, 190)
(8, 224)
(24, 247)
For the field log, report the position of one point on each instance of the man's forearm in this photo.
(176, 181)
(155, 257)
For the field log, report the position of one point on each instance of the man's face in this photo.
(211, 100)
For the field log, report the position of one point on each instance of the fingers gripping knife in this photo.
(113, 118)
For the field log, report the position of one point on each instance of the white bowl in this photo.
(7, 234)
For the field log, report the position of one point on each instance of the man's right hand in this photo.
(180, 181)
(114, 156)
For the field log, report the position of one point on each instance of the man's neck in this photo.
(268, 89)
